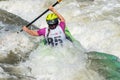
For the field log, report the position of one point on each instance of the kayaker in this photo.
(54, 34)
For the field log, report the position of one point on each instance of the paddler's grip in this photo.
(59, 0)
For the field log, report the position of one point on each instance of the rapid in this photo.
(94, 24)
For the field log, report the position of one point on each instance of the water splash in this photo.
(94, 23)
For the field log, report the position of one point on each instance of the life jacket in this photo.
(55, 36)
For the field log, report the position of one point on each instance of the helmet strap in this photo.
(48, 32)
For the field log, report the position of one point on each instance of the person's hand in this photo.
(51, 8)
(24, 28)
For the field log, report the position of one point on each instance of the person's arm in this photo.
(61, 18)
(31, 32)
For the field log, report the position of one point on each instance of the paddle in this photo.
(41, 15)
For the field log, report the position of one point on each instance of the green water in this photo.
(105, 64)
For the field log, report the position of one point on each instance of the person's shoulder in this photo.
(42, 31)
(62, 24)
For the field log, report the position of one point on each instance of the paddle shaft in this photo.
(39, 16)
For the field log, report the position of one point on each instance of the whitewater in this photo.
(95, 24)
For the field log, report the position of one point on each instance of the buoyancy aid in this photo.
(55, 37)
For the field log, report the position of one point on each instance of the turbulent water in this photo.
(94, 23)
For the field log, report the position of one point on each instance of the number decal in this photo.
(50, 41)
(55, 41)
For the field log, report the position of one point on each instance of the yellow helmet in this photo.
(52, 19)
(51, 16)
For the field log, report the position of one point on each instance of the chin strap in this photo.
(48, 32)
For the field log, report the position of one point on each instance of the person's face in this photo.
(52, 26)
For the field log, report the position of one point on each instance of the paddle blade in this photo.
(59, 0)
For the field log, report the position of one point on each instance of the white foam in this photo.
(91, 24)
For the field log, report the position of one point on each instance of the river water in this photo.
(95, 24)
